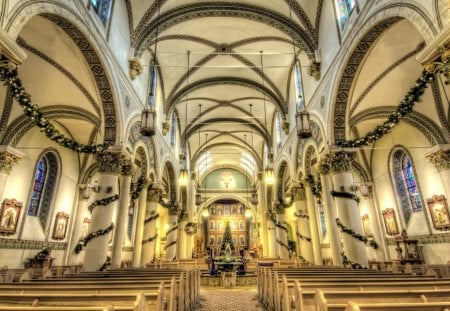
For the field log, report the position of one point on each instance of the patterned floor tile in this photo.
(222, 299)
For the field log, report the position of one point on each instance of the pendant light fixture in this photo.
(268, 174)
(302, 118)
(254, 197)
(148, 116)
(198, 196)
(184, 174)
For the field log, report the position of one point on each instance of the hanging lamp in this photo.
(183, 178)
(198, 196)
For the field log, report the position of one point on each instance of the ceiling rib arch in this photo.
(184, 13)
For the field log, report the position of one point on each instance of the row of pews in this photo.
(144, 289)
(331, 288)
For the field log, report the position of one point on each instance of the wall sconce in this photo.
(248, 213)
(205, 213)
(183, 177)
(268, 178)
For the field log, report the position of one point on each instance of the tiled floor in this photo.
(222, 299)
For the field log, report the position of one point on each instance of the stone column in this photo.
(281, 229)
(375, 226)
(8, 158)
(137, 250)
(84, 195)
(151, 215)
(122, 213)
(314, 226)
(340, 163)
(330, 212)
(172, 234)
(305, 249)
(110, 164)
(182, 247)
(440, 156)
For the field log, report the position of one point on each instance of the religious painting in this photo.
(219, 240)
(234, 210)
(212, 240)
(219, 225)
(234, 224)
(226, 210)
(366, 225)
(241, 240)
(241, 224)
(85, 228)
(241, 210)
(60, 226)
(234, 239)
(439, 211)
(211, 224)
(9, 215)
(219, 210)
(390, 221)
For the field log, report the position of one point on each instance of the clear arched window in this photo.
(103, 9)
(300, 99)
(173, 130)
(278, 131)
(405, 181)
(343, 10)
(43, 188)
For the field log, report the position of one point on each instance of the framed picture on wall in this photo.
(9, 215)
(390, 221)
(439, 211)
(60, 226)
(366, 225)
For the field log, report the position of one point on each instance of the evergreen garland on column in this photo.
(227, 239)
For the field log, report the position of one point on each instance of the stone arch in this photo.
(65, 18)
(283, 169)
(370, 31)
(169, 181)
(225, 196)
(309, 158)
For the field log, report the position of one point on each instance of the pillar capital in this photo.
(127, 167)
(154, 192)
(323, 166)
(8, 158)
(112, 160)
(298, 191)
(340, 160)
(439, 156)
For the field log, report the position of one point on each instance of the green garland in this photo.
(316, 186)
(355, 235)
(106, 264)
(103, 202)
(136, 188)
(191, 228)
(8, 74)
(347, 262)
(301, 215)
(92, 235)
(302, 237)
(283, 244)
(151, 218)
(170, 244)
(347, 195)
(412, 97)
(150, 239)
(172, 229)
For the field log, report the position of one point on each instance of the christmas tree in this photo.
(227, 237)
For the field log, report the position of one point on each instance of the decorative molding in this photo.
(31, 244)
(440, 159)
(299, 191)
(98, 71)
(71, 77)
(425, 239)
(341, 161)
(349, 73)
(8, 158)
(110, 162)
(445, 124)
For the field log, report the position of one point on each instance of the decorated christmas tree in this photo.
(227, 237)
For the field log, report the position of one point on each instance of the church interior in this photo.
(295, 152)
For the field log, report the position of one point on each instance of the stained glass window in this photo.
(405, 182)
(103, 9)
(38, 186)
(152, 84)
(298, 86)
(278, 131)
(44, 184)
(173, 130)
(343, 10)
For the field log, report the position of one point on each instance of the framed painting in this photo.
(60, 226)
(390, 221)
(366, 225)
(439, 211)
(9, 216)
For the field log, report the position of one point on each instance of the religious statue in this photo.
(228, 251)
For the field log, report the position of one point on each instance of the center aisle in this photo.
(220, 299)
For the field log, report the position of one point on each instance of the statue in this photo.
(228, 252)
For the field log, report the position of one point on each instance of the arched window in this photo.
(103, 9)
(405, 182)
(278, 131)
(343, 10)
(152, 84)
(173, 131)
(300, 99)
(44, 183)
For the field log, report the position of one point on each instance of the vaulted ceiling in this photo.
(234, 58)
